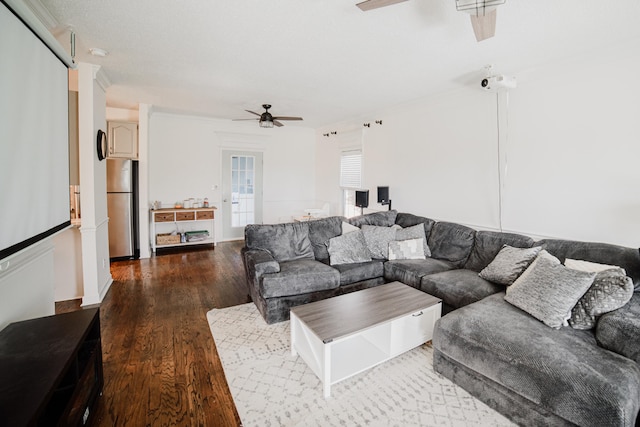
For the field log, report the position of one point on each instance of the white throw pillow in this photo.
(348, 228)
(580, 265)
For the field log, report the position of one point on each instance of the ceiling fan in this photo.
(266, 120)
(483, 13)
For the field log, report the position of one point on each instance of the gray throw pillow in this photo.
(378, 239)
(348, 248)
(406, 249)
(414, 232)
(611, 289)
(548, 290)
(509, 264)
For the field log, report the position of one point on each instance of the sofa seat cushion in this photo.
(458, 288)
(411, 271)
(562, 370)
(299, 277)
(619, 330)
(357, 272)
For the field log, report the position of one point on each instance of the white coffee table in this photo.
(342, 336)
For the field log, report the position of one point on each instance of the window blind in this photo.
(351, 169)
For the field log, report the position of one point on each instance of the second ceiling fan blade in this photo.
(277, 123)
(374, 4)
(253, 112)
(287, 118)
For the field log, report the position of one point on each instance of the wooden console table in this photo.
(51, 370)
(189, 219)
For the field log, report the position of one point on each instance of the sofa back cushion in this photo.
(451, 242)
(405, 220)
(382, 219)
(285, 242)
(320, 231)
(602, 253)
(489, 243)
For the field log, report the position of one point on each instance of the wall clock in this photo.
(101, 144)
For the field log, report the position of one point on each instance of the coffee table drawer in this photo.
(414, 329)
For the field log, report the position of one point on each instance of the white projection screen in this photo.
(34, 160)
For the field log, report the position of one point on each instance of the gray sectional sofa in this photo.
(528, 371)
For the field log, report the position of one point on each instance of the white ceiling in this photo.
(324, 60)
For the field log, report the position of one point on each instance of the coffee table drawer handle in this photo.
(417, 314)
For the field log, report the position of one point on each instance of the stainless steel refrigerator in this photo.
(122, 208)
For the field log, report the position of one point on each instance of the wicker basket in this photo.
(167, 239)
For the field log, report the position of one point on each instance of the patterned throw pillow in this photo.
(611, 289)
(548, 290)
(509, 264)
(406, 249)
(348, 248)
(414, 232)
(378, 239)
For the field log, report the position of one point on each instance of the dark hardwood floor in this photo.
(161, 367)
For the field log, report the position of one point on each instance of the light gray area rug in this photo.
(272, 388)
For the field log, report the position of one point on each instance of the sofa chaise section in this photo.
(537, 375)
(533, 374)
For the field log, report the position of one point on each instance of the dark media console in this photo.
(51, 370)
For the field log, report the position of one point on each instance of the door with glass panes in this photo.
(241, 192)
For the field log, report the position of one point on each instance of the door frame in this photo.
(237, 233)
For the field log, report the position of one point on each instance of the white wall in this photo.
(184, 161)
(569, 150)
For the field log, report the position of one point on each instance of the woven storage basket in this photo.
(167, 238)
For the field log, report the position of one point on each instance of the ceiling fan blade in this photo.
(253, 112)
(287, 118)
(277, 123)
(374, 4)
(484, 26)
(236, 120)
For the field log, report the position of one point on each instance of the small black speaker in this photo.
(362, 199)
(383, 194)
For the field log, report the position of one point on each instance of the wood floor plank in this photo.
(161, 367)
